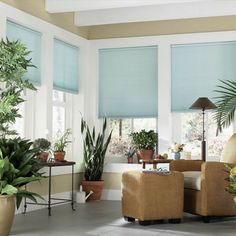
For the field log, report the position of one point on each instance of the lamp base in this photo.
(203, 150)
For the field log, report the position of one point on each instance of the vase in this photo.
(177, 155)
(7, 212)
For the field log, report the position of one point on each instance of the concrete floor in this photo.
(104, 218)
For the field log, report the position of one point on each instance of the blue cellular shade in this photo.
(197, 69)
(32, 39)
(128, 82)
(66, 71)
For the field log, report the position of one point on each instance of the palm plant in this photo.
(226, 104)
(95, 147)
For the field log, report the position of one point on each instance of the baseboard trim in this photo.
(111, 194)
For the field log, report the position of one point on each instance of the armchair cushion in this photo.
(228, 154)
(192, 180)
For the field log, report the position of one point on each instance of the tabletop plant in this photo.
(62, 141)
(44, 147)
(145, 139)
(145, 143)
(129, 154)
(60, 145)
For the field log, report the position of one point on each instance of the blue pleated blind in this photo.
(66, 71)
(32, 39)
(128, 82)
(197, 69)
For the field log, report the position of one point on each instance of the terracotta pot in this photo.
(7, 212)
(95, 186)
(43, 156)
(59, 156)
(145, 154)
(130, 160)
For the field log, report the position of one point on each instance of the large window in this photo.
(191, 135)
(19, 125)
(59, 113)
(122, 128)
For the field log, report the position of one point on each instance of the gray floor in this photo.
(104, 218)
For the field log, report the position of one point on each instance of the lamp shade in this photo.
(203, 103)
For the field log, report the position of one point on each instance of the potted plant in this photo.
(95, 147)
(232, 180)
(60, 145)
(43, 145)
(145, 142)
(177, 148)
(130, 155)
(18, 165)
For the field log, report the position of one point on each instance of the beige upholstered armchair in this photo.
(205, 184)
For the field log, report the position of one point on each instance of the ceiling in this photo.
(102, 12)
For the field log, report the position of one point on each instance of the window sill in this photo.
(121, 167)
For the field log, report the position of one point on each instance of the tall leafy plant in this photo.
(18, 166)
(14, 62)
(226, 104)
(95, 147)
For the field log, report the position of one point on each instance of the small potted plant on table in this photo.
(145, 142)
(43, 145)
(60, 145)
(177, 148)
(130, 155)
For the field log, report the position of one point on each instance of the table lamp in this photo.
(203, 103)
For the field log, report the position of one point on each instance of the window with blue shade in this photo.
(33, 40)
(128, 82)
(66, 67)
(196, 70)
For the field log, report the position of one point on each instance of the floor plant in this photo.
(95, 147)
(18, 165)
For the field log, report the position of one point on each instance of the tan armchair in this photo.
(205, 184)
(212, 199)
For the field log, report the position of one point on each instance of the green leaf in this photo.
(26, 194)
(9, 190)
(226, 104)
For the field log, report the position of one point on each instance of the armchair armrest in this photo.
(186, 165)
(215, 199)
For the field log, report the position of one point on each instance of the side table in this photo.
(154, 162)
(51, 165)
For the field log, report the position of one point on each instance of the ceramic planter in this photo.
(7, 212)
(145, 154)
(95, 186)
(59, 156)
(43, 156)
